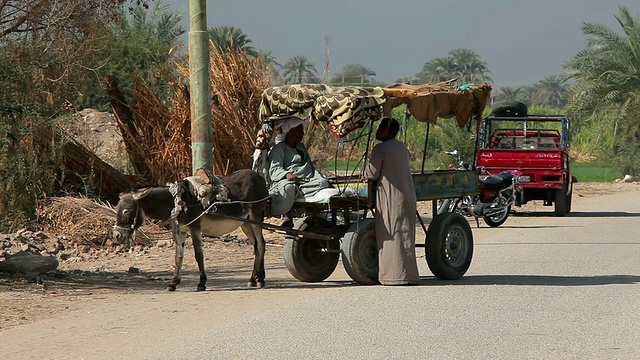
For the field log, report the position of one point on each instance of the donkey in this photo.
(248, 196)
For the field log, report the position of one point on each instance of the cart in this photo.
(344, 224)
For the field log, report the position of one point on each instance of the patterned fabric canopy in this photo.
(344, 109)
(347, 108)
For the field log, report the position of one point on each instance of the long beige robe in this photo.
(395, 213)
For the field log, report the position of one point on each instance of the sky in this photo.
(522, 41)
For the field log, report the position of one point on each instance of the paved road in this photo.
(539, 287)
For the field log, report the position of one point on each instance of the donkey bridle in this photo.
(131, 228)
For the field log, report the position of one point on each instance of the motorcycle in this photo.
(497, 194)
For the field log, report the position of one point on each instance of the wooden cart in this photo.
(345, 225)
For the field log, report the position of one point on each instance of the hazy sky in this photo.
(522, 41)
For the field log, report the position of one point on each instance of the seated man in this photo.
(291, 171)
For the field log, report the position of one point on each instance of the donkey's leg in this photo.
(178, 238)
(254, 233)
(196, 237)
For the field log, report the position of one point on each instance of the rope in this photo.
(213, 205)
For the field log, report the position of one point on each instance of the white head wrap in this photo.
(291, 123)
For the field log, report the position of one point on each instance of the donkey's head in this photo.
(129, 215)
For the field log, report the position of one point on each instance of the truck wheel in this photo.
(360, 252)
(449, 246)
(560, 205)
(497, 219)
(311, 260)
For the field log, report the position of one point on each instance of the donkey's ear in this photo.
(141, 193)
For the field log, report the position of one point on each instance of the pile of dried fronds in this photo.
(237, 83)
(88, 222)
(161, 134)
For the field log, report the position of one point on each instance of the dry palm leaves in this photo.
(162, 131)
(88, 222)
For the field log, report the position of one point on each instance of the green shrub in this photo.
(30, 166)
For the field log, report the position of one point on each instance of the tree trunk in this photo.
(88, 169)
(127, 125)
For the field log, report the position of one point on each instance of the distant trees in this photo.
(354, 74)
(267, 58)
(552, 91)
(511, 93)
(299, 70)
(463, 64)
(228, 38)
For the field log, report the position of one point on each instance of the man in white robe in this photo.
(291, 171)
(395, 212)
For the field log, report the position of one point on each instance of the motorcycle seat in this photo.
(498, 181)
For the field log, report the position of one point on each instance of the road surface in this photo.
(539, 287)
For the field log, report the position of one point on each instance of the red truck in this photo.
(538, 146)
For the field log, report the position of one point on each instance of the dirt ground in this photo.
(139, 269)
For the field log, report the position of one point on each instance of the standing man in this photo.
(395, 212)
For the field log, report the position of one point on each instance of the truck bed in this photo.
(541, 168)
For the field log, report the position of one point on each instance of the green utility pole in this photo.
(200, 85)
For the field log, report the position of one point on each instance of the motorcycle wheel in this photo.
(497, 219)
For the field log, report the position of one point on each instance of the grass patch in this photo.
(342, 165)
(594, 171)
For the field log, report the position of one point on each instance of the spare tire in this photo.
(508, 109)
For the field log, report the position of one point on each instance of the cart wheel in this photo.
(449, 246)
(311, 260)
(360, 252)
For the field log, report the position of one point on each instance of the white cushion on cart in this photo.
(323, 196)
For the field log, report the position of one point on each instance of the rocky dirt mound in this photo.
(98, 131)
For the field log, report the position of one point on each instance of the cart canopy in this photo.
(347, 108)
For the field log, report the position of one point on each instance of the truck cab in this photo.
(537, 146)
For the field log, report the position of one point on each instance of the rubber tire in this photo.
(560, 204)
(301, 257)
(360, 252)
(490, 222)
(509, 109)
(449, 261)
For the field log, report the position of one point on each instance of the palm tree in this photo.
(469, 67)
(227, 38)
(463, 64)
(607, 72)
(511, 93)
(552, 91)
(267, 58)
(438, 69)
(354, 74)
(607, 91)
(298, 70)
